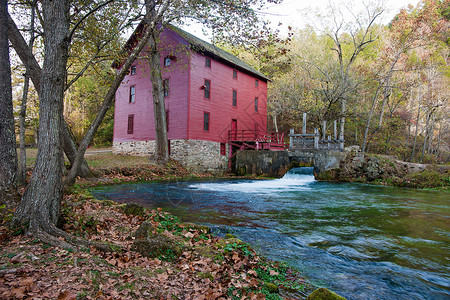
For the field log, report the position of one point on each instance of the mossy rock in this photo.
(149, 243)
(201, 228)
(230, 236)
(271, 287)
(156, 245)
(204, 250)
(324, 294)
(223, 242)
(146, 229)
(133, 209)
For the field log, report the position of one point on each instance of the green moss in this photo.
(324, 294)
(133, 209)
(206, 275)
(271, 287)
(326, 175)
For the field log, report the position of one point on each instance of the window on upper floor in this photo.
(235, 74)
(256, 104)
(166, 87)
(167, 61)
(130, 124)
(207, 62)
(206, 121)
(234, 98)
(207, 89)
(256, 82)
(133, 70)
(132, 94)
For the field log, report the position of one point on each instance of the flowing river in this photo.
(362, 241)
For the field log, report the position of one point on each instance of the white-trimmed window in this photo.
(132, 94)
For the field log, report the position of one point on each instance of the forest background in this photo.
(396, 85)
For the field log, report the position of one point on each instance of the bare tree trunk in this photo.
(426, 135)
(161, 149)
(372, 109)
(342, 123)
(8, 153)
(22, 115)
(71, 151)
(35, 73)
(438, 147)
(417, 125)
(431, 135)
(40, 205)
(386, 96)
(23, 107)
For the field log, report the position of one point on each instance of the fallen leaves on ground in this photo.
(208, 268)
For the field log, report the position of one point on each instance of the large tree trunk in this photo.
(159, 109)
(35, 72)
(8, 153)
(40, 205)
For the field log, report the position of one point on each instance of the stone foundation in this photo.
(136, 148)
(195, 155)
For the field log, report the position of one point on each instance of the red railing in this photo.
(262, 140)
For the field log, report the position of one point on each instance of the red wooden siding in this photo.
(220, 104)
(176, 102)
(186, 102)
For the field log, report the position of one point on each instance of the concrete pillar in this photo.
(335, 129)
(304, 123)
(291, 139)
(316, 138)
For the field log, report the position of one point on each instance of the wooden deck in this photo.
(257, 140)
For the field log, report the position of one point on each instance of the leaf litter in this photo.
(208, 267)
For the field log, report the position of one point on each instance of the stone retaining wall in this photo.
(260, 162)
(195, 155)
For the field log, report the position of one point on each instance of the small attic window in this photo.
(235, 74)
(167, 61)
(133, 70)
(207, 62)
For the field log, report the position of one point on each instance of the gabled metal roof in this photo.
(199, 46)
(206, 48)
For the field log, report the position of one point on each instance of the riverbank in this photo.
(387, 170)
(193, 264)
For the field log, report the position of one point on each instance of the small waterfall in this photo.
(295, 179)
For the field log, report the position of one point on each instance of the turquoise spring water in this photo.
(362, 241)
